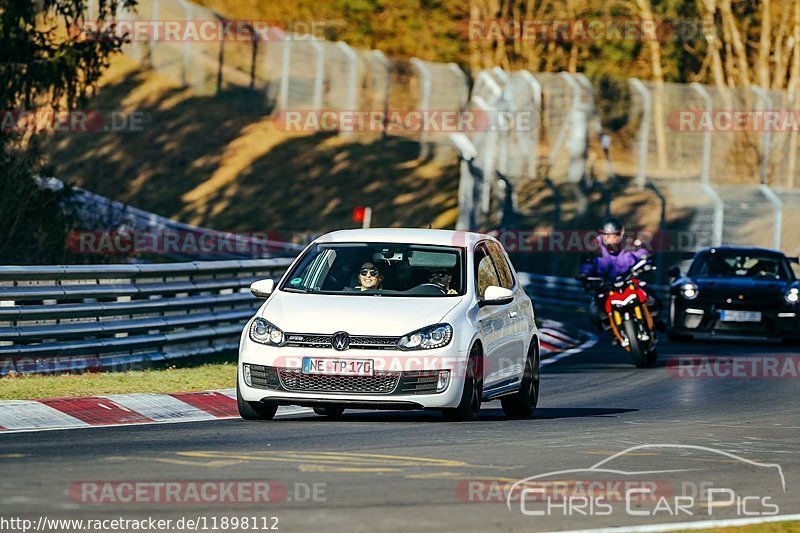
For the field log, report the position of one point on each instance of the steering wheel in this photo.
(433, 285)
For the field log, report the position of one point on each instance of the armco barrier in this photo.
(80, 317)
(56, 319)
(564, 294)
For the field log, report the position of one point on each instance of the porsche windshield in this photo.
(379, 269)
(758, 266)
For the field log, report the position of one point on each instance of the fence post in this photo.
(719, 209)
(536, 91)
(705, 168)
(424, 101)
(381, 57)
(662, 224)
(765, 137)
(283, 93)
(319, 79)
(466, 184)
(557, 198)
(644, 132)
(777, 203)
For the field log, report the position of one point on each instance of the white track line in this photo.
(591, 341)
(700, 524)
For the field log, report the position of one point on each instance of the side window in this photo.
(484, 270)
(503, 270)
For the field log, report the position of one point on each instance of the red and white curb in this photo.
(122, 409)
(146, 408)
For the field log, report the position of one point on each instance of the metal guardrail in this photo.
(565, 294)
(73, 318)
(101, 317)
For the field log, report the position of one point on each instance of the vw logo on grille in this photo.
(340, 341)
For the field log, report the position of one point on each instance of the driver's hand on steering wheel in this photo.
(452, 291)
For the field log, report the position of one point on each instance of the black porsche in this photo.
(732, 291)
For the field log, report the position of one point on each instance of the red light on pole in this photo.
(362, 215)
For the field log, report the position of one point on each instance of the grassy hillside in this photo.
(219, 162)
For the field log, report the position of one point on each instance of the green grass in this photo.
(216, 375)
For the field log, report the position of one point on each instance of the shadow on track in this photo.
(490, 414)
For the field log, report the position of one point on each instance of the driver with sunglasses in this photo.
(369, 277)
(443, 278)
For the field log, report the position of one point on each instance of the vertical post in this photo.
(705, 167)
(352, 75)
(463, 87)
(536, 93)
(424, 100)
(556, 221)
(719, 209)
(765, 137)
(319, 78)
(777, 203)
(283, 93)
(662, 224)
(154, 13)
(377, 54)
(466, 184)
(644, 132)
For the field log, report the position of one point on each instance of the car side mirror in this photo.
(495, 295)
(674, 272)
(262, 288)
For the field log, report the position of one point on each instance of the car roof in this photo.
(437, 237)
(742, 249)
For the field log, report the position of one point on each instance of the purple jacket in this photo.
(608, 265)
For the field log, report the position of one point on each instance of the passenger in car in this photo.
(369, 277)
(443, 278)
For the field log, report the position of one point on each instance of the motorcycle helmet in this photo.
(611, 231)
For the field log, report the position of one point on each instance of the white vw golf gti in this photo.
(392, 319)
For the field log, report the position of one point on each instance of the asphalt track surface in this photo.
(404, 471)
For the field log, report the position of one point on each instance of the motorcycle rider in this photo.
(611, 261)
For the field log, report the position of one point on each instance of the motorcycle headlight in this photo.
(264, 332)
(793, 295)
(427, 338)
(689, 291)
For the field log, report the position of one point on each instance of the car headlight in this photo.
(428, 338)
(793, 295)
(689, 291)
(264, 332)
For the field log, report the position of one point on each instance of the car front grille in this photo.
(312, 340)
(380, 383)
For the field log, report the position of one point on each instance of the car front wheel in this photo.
(472, 393)
(254, 410)
(523, 403)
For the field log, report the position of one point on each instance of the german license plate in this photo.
(342, 367)
(740, 316)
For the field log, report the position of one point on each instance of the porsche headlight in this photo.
(264, 332)
(793, 295)
(427, 338)
(689, 291)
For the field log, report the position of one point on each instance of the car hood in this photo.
(357, 315)
(748, 290)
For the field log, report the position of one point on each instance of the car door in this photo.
(492, 323)
(514, 319)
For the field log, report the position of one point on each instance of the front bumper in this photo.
(402, 380)
(704, 320)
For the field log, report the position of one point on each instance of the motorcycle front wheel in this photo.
(637, 348)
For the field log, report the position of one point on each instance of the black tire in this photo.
(332, 412)
(254, 410)
(523, 403)
(637, 350)
(472, 394)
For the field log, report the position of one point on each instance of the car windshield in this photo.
(379, 269)
(759, 266)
